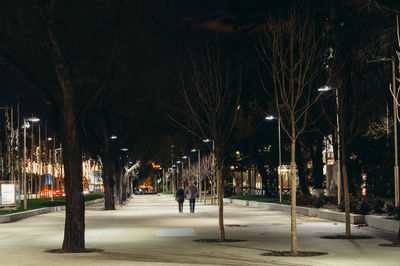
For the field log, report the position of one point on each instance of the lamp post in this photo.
(198, 174)
(163, 178)
(187, 157)
(32, 119)
(213, 167)
(177, 169)
(339, 182)
(53, 157)
(174, 179)
(395, 114)
(24, 172)
(270, 117)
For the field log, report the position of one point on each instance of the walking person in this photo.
(192, 193)
(180, 198)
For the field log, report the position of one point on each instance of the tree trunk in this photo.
(173, 183)
(221, 205)
(346, 189)
(118, 184)
(125, 186)
(293, 233)
(74, 230)
(108, 178)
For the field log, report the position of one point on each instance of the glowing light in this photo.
(34, 119)
(325, 88)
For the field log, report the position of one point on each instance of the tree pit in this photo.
(218, 241)
(86, 250)
(289, 254)
(352, 237)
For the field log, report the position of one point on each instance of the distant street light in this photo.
(271, 117)
(124, 149)
(34, 119)
(113, 137)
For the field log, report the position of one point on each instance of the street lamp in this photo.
(54, 164)
(177, 169)
(395, 111)
(271, 117)
(187, 157)
(24, 172)
(25, 126)
(213, 165)
(339, 183)
(198, 159)
(33, 119)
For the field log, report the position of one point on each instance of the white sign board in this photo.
(7, 194)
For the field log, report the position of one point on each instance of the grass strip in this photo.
(46, 202)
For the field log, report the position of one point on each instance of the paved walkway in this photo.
(137, 234)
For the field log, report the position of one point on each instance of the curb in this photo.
(321, 213)
(382, 223)
(373, 221)
(7, 218)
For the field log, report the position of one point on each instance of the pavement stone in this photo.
(128, 236)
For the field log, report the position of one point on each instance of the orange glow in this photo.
(155, 166)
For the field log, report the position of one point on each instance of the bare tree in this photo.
(292, 51)
(207, 173)
(211, 91)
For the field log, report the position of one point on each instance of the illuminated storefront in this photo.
(284, 172)
(247, 182)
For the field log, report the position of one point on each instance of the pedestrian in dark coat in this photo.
(180, 198)
(192, 193)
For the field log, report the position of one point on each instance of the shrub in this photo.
(364, 206)
(389, 208)
(310, 200)
(354, 205)
(93, 196)
(377, 204)
(397, 213)
(320, 201)
(331, 199)
(53, 203)
(304, 200)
